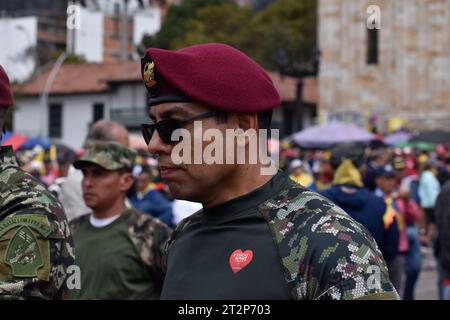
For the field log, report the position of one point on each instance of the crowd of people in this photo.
(398, 194)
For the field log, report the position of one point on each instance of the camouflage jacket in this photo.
(324, 253)
(36, 246)
(148, 234)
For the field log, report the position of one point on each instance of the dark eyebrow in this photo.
(151, 116)
(179, 111)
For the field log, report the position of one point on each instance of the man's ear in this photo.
(126, 181)
(247, 121)
(247, 124)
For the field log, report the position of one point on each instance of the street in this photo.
(426, 288)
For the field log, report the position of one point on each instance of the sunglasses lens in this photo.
(166, 128)
(147, 132)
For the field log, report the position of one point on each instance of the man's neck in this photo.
(110, 212)
(244, 181)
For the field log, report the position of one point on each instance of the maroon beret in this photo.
(6, 97)
(213, 74)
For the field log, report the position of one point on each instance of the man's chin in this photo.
(178, 191)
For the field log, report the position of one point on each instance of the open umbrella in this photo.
(326, 135)
(14, 140)
(397, 137)
(32, 142)
(426, 146)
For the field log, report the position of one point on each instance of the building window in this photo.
(99, 111)
(372, 46)
(55, 120)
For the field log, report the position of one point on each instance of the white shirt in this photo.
(100, 223)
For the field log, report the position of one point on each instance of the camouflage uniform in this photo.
(36, 246)
(147, 235)
(324, 254)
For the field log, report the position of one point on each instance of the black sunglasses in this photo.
(166, 127)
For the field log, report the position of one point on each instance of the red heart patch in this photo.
(239, 260)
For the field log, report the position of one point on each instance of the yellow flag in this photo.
(53, 152)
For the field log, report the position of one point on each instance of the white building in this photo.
(80, 95)
(17, 37)
(98, 36)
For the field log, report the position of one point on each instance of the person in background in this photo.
(118, 249)
(299, 173)
(408, 193)
(407, 213)
(429, 189)
(348, 192)
(36, 246)
(149, 200)
(376, 160)
(70, 193)
(442, 211)
(65, 160)
(413, 262)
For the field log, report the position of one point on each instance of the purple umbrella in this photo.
(397, 137)
(326, 135)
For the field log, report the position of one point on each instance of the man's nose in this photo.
(157, 146)
(87, 181)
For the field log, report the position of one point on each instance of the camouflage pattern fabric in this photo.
(324, 253)
(108, 155)
(36, 245)
(148, 234)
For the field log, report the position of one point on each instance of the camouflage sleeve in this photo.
(149, 236)
(325, 254)
(36, 246)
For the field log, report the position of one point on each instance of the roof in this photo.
(84, 78)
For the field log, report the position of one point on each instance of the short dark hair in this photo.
(265, 119)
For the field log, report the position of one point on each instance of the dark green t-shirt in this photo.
(111, 267)
(227, 253)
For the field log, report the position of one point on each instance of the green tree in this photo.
(288, 25)
(283, 25)
(219, 23)
(175, 22)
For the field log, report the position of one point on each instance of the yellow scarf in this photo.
(347, 173)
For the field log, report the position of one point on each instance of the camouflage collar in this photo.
(7, 157)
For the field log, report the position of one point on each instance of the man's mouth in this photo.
(88, 195)
(167, 171)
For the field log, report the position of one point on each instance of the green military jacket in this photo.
(281, 241)
(36, 246)
(128, 254)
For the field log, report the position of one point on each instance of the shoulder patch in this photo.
(23, 254)
(24, 247)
